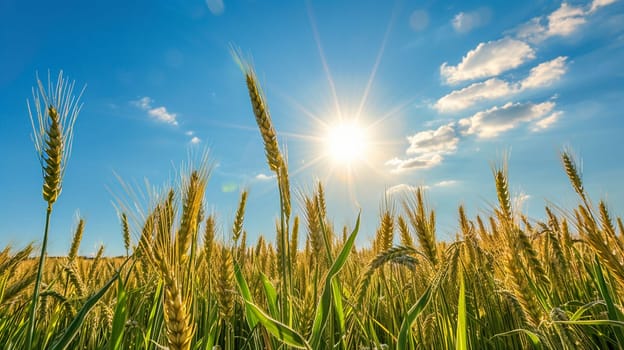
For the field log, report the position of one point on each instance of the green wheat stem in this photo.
(33, 303)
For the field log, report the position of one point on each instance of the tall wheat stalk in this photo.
(55, 112)
(278, 164)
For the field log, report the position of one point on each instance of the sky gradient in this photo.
(443, 89)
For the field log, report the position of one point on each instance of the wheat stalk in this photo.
(73, 250)
(125, 228)
(262, 115)
(178, 320)
(225, 288)
(191, 209)
(75, 279)
(404, 233)
(237, 226)
(502, 193)
(294, 242)
(423, 226)
(53, 136)
(312, 218)
(385, 232)
(209, 235)
(573, 172)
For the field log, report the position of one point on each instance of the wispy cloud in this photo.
(216, 7)
(426, 161)
(195, 140)
(547, 122)
(540, 76)
(402, 188)
(564, 21)
(446, 183)
(464, 98)
(264, 177)
(487, 60)
(545, 73)
(496, 120)
(405, 188)
(464, 22)
(159, 114)
(596, 4)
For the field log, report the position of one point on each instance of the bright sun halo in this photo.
(346, 143)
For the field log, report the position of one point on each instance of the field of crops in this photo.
(505, 282)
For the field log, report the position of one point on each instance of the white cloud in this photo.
(596, 4)
(545, 73)
(144, 103)
(162, 115)
(189, 133)
(421, 162)
(488, 59)
(419, 20)
(195, 140)
(496, 120)
(546, 122)
(216, 7)
(158, 113)
(470, 95)
(264, 177)
(402, 188)
(532, 31)
(541, 75)
(441, 140)
(464, 22)
(428, 146)
(446, 183)
(564, 21)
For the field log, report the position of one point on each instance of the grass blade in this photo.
(271, 295)
(74, 327)
(119, 318)
(612, 311)
(461, 337)
(322, 309)
(533, 337)
(412, 314)
(246, 294)
(279, 330)
(337, 298)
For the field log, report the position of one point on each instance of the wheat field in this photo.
(504, 282)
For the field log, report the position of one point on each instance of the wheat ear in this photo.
(237, 227)
(73, 250)
(125, 229)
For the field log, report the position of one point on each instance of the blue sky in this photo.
(442, 88)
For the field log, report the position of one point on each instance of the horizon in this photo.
(371, 98)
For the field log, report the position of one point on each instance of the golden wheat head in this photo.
(53, 118)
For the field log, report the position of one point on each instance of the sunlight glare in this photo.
(346, 143)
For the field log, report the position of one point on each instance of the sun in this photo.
(346, 143)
